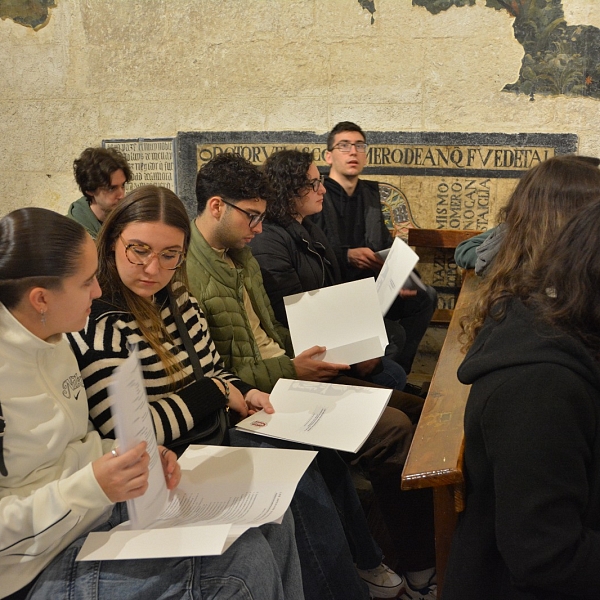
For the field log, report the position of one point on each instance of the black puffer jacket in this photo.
(293, 258)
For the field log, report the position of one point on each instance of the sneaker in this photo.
(426, 593)
(382, 582)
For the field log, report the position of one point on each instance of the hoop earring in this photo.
(43, 314)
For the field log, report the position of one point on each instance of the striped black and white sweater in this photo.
(104, 344)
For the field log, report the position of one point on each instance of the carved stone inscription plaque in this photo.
(152, 162)
(428, 180)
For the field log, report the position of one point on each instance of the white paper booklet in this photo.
(344, 318)
(399, 263)
(133, 424)
(320, 414)
(223, 491)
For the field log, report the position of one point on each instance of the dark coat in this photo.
(531, 527)
(376, 234)
(293, 258)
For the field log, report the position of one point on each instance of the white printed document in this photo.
(320, 414)
(133, 424)
(399, 263)
(223, 491)
(344, 318)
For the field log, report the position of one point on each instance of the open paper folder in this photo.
(344, 318)
(320, 414)
(400, 260)
(223, 491)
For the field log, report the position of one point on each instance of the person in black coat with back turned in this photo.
(531, 526)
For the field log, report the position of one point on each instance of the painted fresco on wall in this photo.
(560, 59)
(427, 180)
(29, 13)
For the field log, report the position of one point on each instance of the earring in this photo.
(43, 313)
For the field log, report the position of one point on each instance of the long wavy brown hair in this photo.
(146, 204)
(545, 198)
(565, 290)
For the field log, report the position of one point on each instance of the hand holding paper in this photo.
(310, 365)
(320, 414)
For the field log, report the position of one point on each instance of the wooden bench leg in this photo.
(445, 521)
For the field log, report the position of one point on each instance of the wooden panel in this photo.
(445, 522)
(435, 456)
(438, 238)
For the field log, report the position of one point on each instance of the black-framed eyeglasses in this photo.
(346, 146)
(254, 219)
(316, 183)
(141, 254)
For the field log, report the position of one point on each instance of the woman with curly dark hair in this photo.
(295, 256)
(293, 252)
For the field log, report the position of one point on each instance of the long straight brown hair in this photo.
(146, 204)
(545, 198)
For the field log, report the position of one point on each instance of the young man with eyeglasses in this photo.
(101, 174)
(226, 280)
(355, 227)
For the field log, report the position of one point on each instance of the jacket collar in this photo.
(216, 266)
(18, 339)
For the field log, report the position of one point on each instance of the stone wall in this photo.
(126, 69)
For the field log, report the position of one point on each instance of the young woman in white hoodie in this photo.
(58, 479)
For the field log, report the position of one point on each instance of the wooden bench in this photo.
(435, 458)
(439, 238)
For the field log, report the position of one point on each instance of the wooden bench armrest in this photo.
(436, 453)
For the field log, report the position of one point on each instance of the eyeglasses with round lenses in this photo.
(141, 254)
(316, 183)
(346, 146)
(254, 219)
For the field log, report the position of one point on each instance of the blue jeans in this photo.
(327, 562)
(391, 376)
(261, 564)
(406, 323)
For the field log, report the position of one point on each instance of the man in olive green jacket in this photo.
(227, 282)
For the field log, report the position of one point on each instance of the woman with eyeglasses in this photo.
(294, 253)
(58, 479)
(295, 256)
(142, 248)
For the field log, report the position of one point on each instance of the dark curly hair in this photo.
(94, 168)
(286, 171)
(233, 177)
